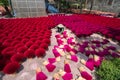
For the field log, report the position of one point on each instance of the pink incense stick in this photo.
(67, 68)
(85, 75)
(41, 76)
(74, 58)
(50, 67)
(90, 64)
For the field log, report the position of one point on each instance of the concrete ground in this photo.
(29, 66)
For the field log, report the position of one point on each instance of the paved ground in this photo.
(29, 66)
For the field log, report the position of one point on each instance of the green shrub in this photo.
(109, 70)
(116, 62)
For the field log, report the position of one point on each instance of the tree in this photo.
(86, 3)
(81, 6)
(92, 1)
(109, 70)
(5, 4)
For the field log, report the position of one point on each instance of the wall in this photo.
(29, 8)
(104, 5)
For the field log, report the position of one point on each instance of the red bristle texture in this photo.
(46, 41)
(34, 46)
(9, 54)
(7, 49)
(28, 44)
(11, 67)
(40, 52)
(25, 41)
(38, 42)
(29, 53)
(22, 49)
(15, 43)
(17, 58)
(44, 45)
(5, 43)
(19, 45)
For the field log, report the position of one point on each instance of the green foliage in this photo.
(4, 2)
(64, 4)
(109, 70)
(116, 62)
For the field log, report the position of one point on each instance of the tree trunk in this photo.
(80, 6)
(11, 7)
(85, 4)
(91, 6)
(58, 5)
